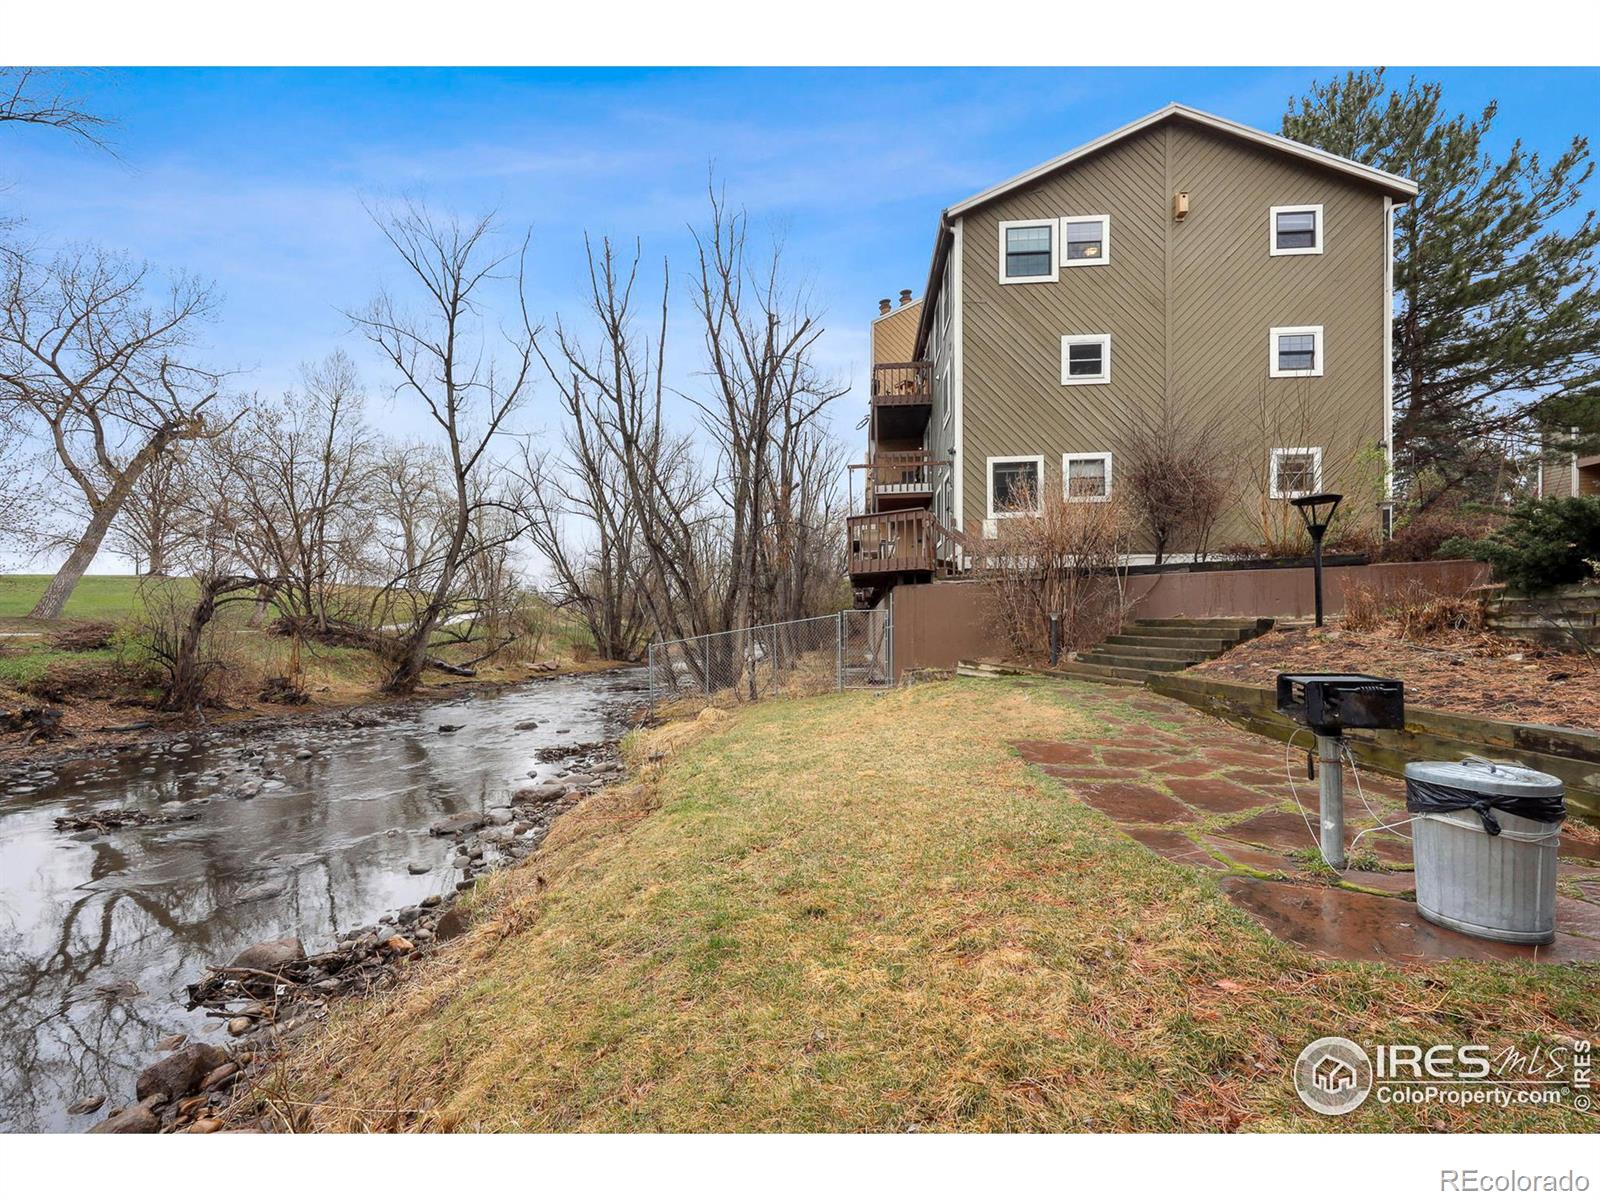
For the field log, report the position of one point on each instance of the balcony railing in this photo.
(902, 383)
(893, 542)
(899, 473)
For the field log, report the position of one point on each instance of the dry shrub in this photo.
(91, 635)
(1419, 538)
(1177, 478)
(1067, 558)
(1415, 611)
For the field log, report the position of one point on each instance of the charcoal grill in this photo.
(1328, 705)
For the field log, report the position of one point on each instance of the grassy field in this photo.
(865, 912)
(333, 674)
(96, 598)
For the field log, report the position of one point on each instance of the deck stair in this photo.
(1158, 645)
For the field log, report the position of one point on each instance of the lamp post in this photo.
(1317, 512)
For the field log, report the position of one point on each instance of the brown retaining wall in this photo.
(1291, 591)
(935, 624)
(1571, 755)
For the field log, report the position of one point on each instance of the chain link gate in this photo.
(849, 649)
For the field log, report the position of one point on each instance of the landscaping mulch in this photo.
(1464, 672)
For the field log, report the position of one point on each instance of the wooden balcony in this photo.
(896, 478)
(902, 400)
(893, 543)
(907, 383)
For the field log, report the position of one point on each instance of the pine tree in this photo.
(1497, 322)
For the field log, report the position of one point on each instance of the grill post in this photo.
(1330, 779)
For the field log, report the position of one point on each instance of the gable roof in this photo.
(1395, 186)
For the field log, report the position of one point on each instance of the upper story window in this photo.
(1295, 350)
(1028, 251)
(1087, 476)
(1085, 241)
(1014, 485)
(1296, 471)
(1296, 229)
(1086, 358)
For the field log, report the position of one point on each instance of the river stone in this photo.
(88, 1104)
(451, 925)
(263, 891)
(458, 824)
(525, 726)
(240, 1025)
(180, 1074)
(418, 868)
(501, 816)
(135, 1119)
(542, 794)
(172, 1041)
(270, 956)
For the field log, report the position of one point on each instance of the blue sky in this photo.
(254, 178)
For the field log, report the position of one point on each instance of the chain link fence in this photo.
(850, 649)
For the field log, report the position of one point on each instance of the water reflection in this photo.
(99, 932)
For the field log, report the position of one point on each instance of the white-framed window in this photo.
(1028, 251)
(1294, 351)
(1015, 485)
(1085, 241)
(1295, 471)
(1295, 229)
(1086, 358)
(1086, 476)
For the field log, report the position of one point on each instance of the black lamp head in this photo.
(1317, 511)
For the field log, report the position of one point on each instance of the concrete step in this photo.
(1094, 673)
(1133, 662)
(1253, 623)
(1183, 645)
(1162, 647)
(1168, 653)
(1232, 637)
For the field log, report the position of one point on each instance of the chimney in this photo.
(884, 306)
(905, 297)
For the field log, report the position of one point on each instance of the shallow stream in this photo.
(99, 932)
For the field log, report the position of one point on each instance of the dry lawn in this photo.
(860, 912)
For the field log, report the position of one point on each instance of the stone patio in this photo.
(1201, 793)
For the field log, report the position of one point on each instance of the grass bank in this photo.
(860, 912)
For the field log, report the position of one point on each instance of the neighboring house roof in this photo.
(1393, 185)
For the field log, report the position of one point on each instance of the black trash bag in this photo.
(1437, 798)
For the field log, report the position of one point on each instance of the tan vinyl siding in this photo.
(1188, 306)
(894, 335)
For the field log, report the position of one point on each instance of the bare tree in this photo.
(33, 96)
(410, 500)
(1176, 473)
(306, 468)
(444, 356)
(760, 336)
(596, 568)
(98, 354)
(146, 529)
(1061, 558)
(217, 545)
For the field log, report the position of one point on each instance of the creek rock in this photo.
(451, 925)
(541, 794)
(270, 956)
(417, 868)
(180, 1073)
(501, 816)
(88, 1104)
(458, 824)
(134, 1119)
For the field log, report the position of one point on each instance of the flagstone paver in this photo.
(1202, 793)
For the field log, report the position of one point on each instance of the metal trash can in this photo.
(1484, 837)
